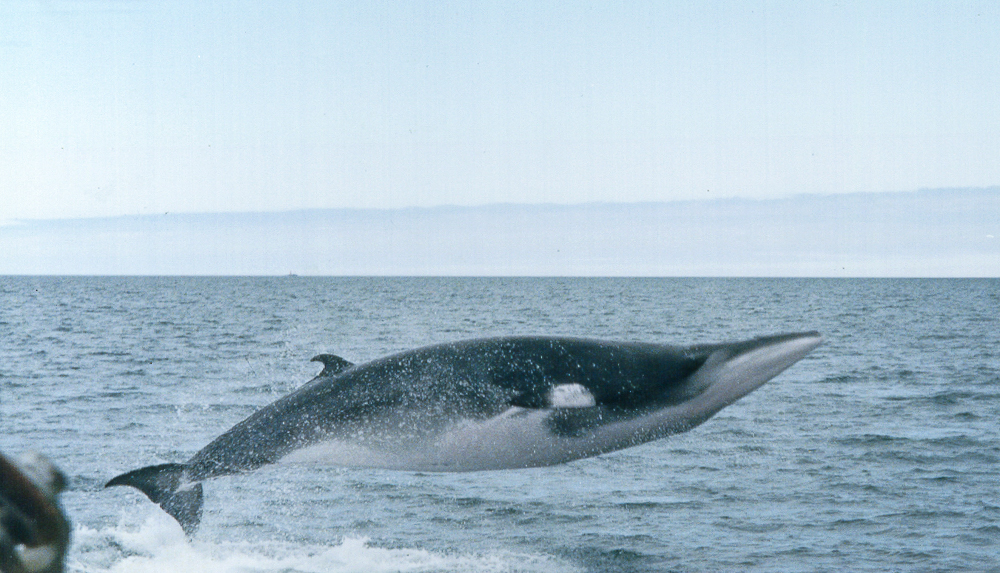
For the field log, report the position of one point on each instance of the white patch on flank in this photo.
(571, 396)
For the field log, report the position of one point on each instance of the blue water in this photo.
(879, 451)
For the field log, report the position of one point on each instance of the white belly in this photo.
(517, 438)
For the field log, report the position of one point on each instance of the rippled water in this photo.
(878, 451)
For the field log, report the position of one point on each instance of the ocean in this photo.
(877, 452)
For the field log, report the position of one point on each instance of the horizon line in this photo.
(15, 221)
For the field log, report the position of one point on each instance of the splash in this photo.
(159, 546)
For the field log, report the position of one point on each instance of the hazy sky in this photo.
(110, 108)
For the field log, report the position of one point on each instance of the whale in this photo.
(480, 404)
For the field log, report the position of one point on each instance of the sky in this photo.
(112, 108)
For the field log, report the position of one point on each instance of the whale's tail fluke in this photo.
(165, 485)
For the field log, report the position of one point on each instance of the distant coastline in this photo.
(939, 232)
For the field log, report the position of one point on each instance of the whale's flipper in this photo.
(164, 485)
(332, 364)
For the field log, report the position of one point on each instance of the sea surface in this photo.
(877, 452)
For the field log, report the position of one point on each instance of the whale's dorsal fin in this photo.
(332, 364)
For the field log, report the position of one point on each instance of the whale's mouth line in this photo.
(728, 376)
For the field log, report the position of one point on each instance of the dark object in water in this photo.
(34, 533)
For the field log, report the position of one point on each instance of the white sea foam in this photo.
(158, 545)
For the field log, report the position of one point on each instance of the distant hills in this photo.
(928, 233)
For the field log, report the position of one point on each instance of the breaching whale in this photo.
(481, 404)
